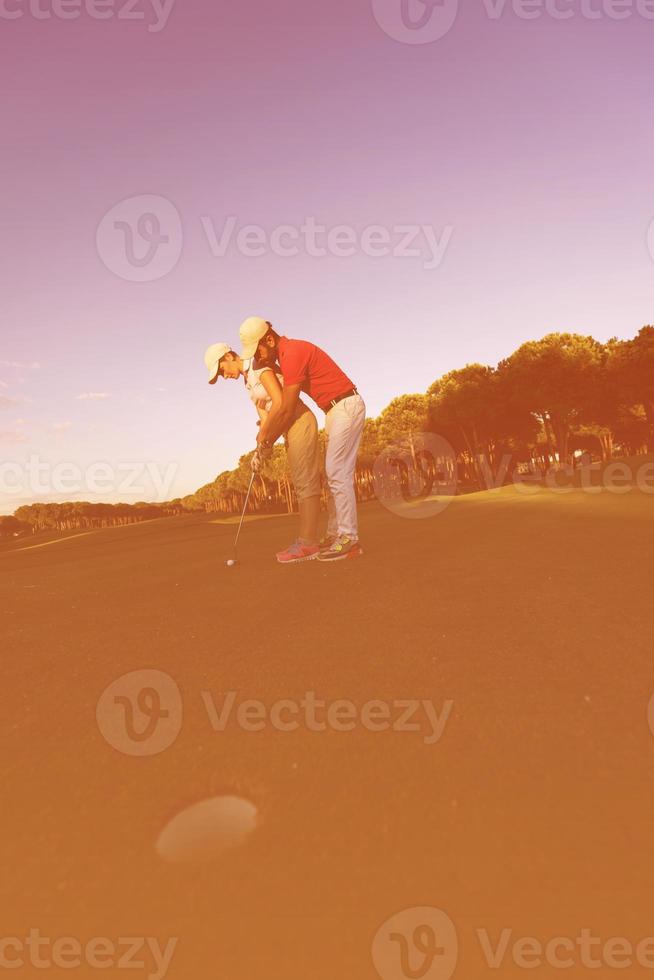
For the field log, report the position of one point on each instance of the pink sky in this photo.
(530, 139)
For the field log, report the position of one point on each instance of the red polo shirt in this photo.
(306, 365)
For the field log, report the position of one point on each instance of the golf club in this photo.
(233, 560)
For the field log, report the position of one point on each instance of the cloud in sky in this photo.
(12, 437)
(32, 366)
(96, 396)
(11, 401)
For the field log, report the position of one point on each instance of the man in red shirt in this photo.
(307, 368)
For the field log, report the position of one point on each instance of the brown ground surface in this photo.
(534, 812)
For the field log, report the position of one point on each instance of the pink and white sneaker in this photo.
(298, 552)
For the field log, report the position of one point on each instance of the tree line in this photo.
(80, 515)
(551, 400)
(542, 406)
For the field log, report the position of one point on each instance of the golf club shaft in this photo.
(245, 507)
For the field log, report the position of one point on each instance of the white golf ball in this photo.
(230, 562)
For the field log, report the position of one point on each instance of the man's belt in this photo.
(340, 398)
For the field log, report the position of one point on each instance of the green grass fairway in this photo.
(534, 811)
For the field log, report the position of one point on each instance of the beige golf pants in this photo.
(303, 455)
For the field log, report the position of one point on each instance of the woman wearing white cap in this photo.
(264, 387)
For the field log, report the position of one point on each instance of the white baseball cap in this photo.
(212, 359)
(252, 330)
